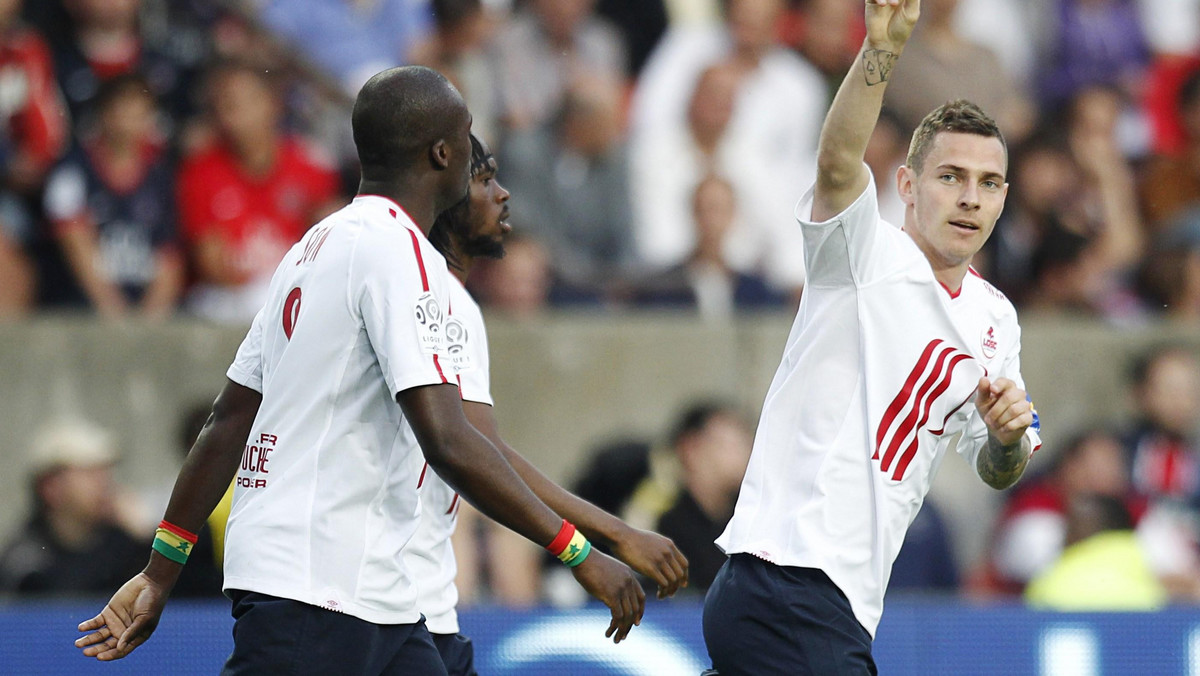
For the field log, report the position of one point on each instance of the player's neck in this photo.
(461, 267)
(419, 207)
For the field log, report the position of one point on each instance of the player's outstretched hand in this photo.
(130, 617)
(1005, 409)
(612, 582)
(891, 22)
(654, 556)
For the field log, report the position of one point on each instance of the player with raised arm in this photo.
(475, 228)
(326, 477)
(898, 354)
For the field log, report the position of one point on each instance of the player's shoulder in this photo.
(988, 293)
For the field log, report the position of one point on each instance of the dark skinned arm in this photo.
(650, 554)
(134, 611)
(472, 465)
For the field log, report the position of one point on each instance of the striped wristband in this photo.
(570, 546)
(173, 542)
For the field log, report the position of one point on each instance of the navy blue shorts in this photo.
(458, 654)
(761, 619)
(289, 638)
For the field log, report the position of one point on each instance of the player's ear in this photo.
(439, 154)
(905, 178)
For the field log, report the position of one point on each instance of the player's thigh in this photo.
(417, 655)
(761, 619)
(458, 654)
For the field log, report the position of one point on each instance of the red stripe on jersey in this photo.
(900, 435)
(898, 403)
(438, 366)
(911, 451)
(453, 504)
(424, 468)
(420, 262)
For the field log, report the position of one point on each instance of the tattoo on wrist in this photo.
(877, 66)
(999, 465)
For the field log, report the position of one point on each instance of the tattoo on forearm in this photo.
(1000, 466)
(877, 66)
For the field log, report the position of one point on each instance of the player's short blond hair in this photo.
(959, 116)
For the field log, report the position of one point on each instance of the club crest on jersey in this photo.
(428, 314)
(988, 342)
(457, 340)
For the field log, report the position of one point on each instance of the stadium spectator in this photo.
(1103, 566)
(572, 179)
(458, 49)
(941, 65)
(1163, 451)
(712, 444)
(641, 24)
(349, 40)
(247, 197)
(1170, 183)
(103, 39)
(1170, 272)
(926, 562)
(518, 285)
(1006, 28)
(704, 282)
(1089, 43)
(772, 129)
(110, 203)
(827, 34)
(1091, 244)
(73, 542)
(1031, 529)
(543, 49)
(33, 133)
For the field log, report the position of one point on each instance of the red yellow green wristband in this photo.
(570, 546)
(173, 542)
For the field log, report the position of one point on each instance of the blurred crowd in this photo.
(158, 157)
(1108, 519)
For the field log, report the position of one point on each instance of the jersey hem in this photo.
(373, 615)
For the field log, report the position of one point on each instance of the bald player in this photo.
(324, 458)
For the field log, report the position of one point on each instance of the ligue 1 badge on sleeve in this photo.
(988, 342)
(457, 341)
(428, 315)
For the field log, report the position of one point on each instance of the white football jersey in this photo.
(875, 385)
(429, 556)
(326, 495)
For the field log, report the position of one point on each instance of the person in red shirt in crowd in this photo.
(33, 133)
(248, 196)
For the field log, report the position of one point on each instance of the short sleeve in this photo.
(246, 369)
(402, 305)
(475, 382)
(66, 193)
(854, 247)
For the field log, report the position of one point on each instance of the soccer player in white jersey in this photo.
(324, 459)
(472, 229)
(899, 353)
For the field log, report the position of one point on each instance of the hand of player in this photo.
(891, 22)
(612, 582)
(130, 617)
(1005, 409)
(654, 556)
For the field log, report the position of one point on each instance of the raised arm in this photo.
(470, 464)
(133, 612)
(841, 176)
(648, 553)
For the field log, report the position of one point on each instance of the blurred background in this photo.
(158, 157)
